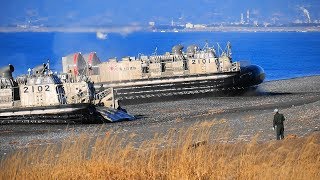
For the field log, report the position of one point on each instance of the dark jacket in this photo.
(278, 120)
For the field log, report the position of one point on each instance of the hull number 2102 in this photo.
(38, 89)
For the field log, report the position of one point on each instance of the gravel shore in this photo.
(242, 116)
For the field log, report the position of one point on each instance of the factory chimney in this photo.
(242, 20)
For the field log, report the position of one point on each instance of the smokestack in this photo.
(242, 20)
(306, 13)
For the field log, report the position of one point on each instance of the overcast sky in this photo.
(139, 12)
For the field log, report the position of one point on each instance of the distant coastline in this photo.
(251, 29)
(131, 29)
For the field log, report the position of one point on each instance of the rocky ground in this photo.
(241, 117)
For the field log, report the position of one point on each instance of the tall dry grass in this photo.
(187, 153)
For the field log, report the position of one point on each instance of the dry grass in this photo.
(180, 154)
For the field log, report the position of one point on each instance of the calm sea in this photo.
(281, 55)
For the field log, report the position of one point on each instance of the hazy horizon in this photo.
(68, 13)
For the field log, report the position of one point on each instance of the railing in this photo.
(107, 95)
(103, 94)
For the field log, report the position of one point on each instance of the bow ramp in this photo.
(114, 115)
(109, 108)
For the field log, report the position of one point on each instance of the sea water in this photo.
(281, 54)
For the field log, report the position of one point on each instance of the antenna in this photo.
(139, 55)
(155, 51)
(48, 64)
(206, 45)
(228, 49)
(219, 49)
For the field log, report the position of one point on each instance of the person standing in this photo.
(278, 124)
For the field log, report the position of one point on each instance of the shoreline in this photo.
(292, 78)
(128, 30)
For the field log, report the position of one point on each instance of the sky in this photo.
(81, 13)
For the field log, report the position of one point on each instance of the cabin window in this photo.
(185, 65)
(163, 67)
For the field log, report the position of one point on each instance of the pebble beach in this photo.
(243, 117)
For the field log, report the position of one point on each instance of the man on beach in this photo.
(278, 124)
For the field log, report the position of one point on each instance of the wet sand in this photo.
(242, 117)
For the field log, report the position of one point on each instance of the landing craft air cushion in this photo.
(44, 97)
(176, 73)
